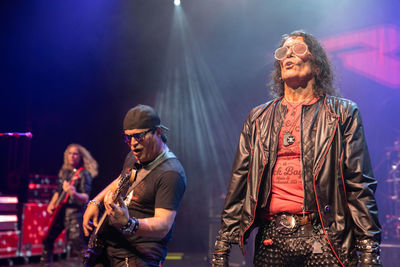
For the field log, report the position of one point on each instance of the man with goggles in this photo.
(299, 49)
(142, 218)
(302, 172)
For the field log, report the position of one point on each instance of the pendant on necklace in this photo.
(288, 139)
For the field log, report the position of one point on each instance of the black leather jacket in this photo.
(337, 175)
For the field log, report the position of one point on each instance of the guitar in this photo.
(60, 203)
(96, 243)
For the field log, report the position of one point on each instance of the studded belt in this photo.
(288, 223)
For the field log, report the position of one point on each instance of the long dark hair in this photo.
(320, 63)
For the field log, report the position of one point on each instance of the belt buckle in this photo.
(286, 223)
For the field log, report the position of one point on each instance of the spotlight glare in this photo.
(177, 2)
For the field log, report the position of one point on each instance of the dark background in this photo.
(71, 69)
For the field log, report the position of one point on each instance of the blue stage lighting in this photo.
(177, 2)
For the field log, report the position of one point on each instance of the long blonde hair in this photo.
(89, 163)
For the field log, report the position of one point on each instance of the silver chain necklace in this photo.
(288, 138)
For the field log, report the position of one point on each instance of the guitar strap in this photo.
(73, 178)
(143, 172)
(76, 174)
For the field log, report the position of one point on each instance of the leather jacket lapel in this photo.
(327, 125)
(269, 124)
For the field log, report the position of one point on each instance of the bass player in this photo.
(140, 226)
(67, 204)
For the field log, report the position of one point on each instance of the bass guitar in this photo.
(61, 202)
(96, 242)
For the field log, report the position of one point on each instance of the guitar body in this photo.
(96, 243)
(54, 217)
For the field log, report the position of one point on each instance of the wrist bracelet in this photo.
(130, 227)
(94, 202)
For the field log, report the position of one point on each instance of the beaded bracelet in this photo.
(94, 202)
(130, 227)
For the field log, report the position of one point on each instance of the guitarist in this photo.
(67, 204)
(140, 226)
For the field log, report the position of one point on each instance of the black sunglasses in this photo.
(138, 136)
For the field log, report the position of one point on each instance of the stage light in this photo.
(177, 2)
(203, 115)
(8, 200)
(8, 218)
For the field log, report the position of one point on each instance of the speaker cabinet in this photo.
(35, 221)
(9, 244)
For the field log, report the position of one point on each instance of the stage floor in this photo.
(185, 261)
(390, 256)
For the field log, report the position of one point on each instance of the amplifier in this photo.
(40, 192)
(41, 187)
(34, 228)
(42, 179)
(8, 222)
(8, 204)
(9, 244)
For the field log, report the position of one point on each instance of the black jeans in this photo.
(132, 262)
(71, 220)
(304, 246)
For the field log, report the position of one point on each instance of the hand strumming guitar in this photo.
(69, 189)
(90, 218)
(91, 215)
(51, 207)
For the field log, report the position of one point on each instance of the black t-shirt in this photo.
(163, 188)
(83, 184)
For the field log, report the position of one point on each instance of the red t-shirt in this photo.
(287, 193)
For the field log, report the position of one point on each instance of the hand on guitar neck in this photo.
(115, 188)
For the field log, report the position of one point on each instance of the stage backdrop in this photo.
(71, 69)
